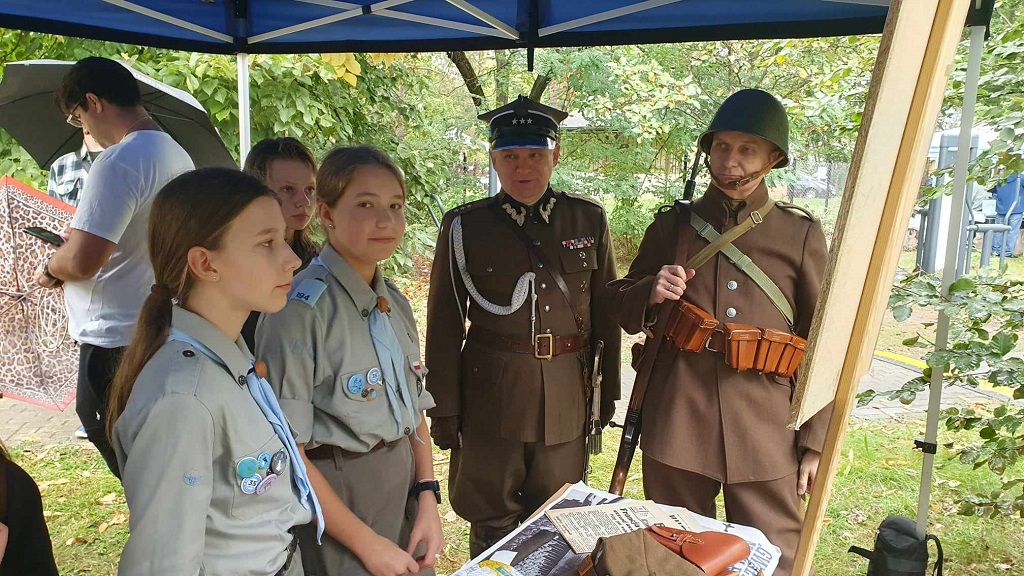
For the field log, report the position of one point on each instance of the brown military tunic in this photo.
(506, 398)
(701, 415)
(511, 395)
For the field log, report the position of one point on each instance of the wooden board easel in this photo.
(907, 86)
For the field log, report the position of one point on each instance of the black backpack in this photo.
(898, 550)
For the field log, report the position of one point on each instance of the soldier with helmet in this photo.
(712, 420)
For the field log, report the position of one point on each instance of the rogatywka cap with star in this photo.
(523, 123)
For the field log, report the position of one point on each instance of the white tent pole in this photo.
(949, 270)
(244, 136)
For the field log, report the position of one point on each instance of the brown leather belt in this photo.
(543, 346)
(326, 451)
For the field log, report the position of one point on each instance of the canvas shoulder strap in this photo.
(723, 243)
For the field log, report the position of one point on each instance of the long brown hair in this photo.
(257, 163)
(340, 165)
(192, 210)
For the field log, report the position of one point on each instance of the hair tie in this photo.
(161, 291)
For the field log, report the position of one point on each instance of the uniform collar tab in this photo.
(235, 356)
(364, 296)
(539, 211)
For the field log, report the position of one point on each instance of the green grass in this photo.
(879, 475)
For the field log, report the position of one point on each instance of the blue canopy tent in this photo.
(245, 27)
(299, 26)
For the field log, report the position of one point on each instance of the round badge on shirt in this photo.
(373, 376)
(263, 460)
(278, 462)
(356, 383)
(249, 485)
(266, 484)
(247, 467)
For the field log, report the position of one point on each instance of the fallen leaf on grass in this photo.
(109, 499)
(76, 540)
(857, 517)
(826, 521)
(49, 514)
(116, 519)
(1003, 567)
(451, 516)
(48, 483)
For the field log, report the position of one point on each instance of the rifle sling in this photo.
(742, 261)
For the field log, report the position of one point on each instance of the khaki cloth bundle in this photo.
(746, 347)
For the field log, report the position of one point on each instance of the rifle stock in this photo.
(631, 427)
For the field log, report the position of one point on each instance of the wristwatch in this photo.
(46, 271)
(432, 485)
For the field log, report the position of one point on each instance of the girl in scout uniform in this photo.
(343, 356)
(289, 169)
(211, 474)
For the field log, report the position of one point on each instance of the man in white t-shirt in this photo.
(104, 264)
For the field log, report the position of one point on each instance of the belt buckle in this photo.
(537, 343)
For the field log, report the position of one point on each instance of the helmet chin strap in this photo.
(737, 184)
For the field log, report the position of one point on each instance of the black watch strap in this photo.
(432, 485)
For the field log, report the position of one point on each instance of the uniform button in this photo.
(731, 285)
(584, 264)
(241, 380)
(548, 331)
(540, 264)
(188, 353)
(536, 242)
(730, 312)
(489, 269)
(547, 308)
(407, 431)
(476, 369)
(365, 313)
(543, 286)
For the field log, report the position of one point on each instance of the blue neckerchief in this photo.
(264, 397)
(392, 365)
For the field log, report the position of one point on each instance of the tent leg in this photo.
(244, 137)
(950, 270)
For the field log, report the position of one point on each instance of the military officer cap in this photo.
(523, 124)
(754, 112)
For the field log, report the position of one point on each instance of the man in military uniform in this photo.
(706, 425)
(527, 268)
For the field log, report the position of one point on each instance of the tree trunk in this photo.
(469, 76)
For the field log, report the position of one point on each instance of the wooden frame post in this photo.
(907, 87)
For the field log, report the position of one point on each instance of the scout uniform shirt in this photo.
(190, 430)
(495, 390)
(322, 363)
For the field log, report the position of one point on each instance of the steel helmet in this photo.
(754, 112)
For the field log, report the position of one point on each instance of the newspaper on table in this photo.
(536, 548)
(581, 527)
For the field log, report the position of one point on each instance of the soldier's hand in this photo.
(669, 284)
(445, 432)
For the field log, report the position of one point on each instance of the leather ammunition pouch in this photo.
(746, 347)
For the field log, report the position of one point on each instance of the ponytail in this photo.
(150, 334)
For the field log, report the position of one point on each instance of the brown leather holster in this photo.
(712, 552)
(746, 347)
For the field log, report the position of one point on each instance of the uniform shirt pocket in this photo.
(360, 400)
(253, 501)
(584, 260)
(482, 375)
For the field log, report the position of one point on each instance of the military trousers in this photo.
(772, 506)
(495, 483)
(375, 487)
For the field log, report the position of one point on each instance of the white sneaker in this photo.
(80, 433)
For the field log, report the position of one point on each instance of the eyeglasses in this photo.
(74, 120)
